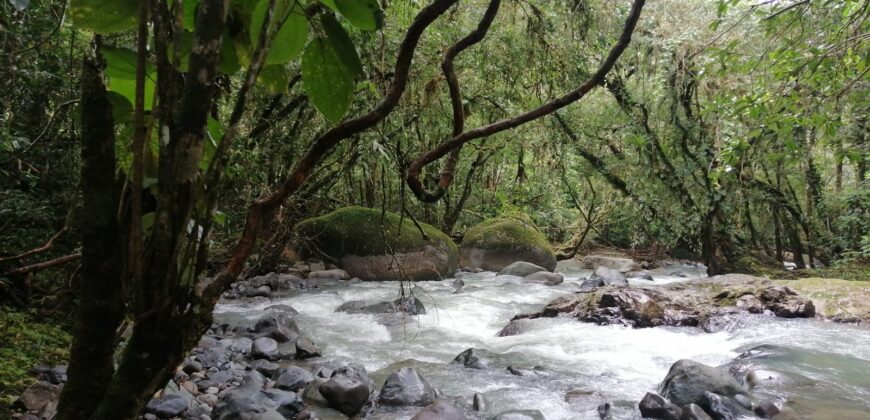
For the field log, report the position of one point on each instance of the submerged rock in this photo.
(375, 245)
(545, 277)
(520, 415)
(608, 276)
(407, 387)
(496, 243)
(620, 264)
(521, 269)
(439, 410)
(474, 358)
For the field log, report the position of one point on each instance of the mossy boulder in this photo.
(496, 243)
(375, 245)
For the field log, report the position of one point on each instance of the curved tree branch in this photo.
(209, 291)
(450, 55)
(416, 167)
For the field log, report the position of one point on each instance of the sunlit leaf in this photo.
(364, 14)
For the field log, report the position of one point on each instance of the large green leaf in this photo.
(104, 16)
(326, 79)
(342, 44)
(121, 69)
(190, 14)
(292, 34)
(275, 78)
(364, 14)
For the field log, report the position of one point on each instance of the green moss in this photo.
(506, 233)
(27, 340)
(363, 231)
(835, 298)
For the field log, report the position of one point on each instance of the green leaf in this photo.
(104, 16)
(122, 109)
(330, 4)
(342, 44)
(291, 36)
(189, 22)
(326, 79)
(121, 69)
(364, 14)
(275, 78)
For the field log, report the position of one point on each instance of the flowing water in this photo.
(586, 362)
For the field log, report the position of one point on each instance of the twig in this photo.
(36, 250)
(40, 266)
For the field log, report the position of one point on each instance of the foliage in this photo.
(27, 340)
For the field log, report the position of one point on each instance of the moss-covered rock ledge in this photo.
(496, 243)
(375, 245)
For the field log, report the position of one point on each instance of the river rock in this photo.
(608, 276)
(167, 406)
(376, 245)
(496, 243)
(287, 309)
(265, 367)
(620, 264)
(785, 303)
(40, 397)
(212, 358)
(265, 348)
(521, 269)
(515, 327)
(694, 412)
(545, 277)
(439, 410)
(478, 402)
(654, 406)
(724, 408)
(590, 284)
(407, 387)
(766, 409)
(278, 326)
(410, 305)
(474, 358)
(292, 378)
(688, 381)
(520, 415)
(642, 274)
(334, 274)
(344, 394)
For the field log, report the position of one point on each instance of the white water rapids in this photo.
(617, 363)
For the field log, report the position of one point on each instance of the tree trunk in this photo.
(100, 309)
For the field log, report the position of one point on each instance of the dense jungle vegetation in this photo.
(152, 152)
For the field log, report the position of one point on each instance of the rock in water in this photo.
(521, 269)
(439, 410)
(474, 358)
(654, 406)
(344, 394)
(293, 378)
(545, 277)
(688, 381)
(265, 348)
(334, 274)
(724, 408)
(520, 415)
(478, 402)
(608, 276)
(497, 243)
(375, 245)
(694, 412)
(623, 265)
(407, 387)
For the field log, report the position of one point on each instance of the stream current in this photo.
(825, 366)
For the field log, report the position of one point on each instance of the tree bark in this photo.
(100, 309)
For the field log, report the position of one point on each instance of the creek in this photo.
(822, 368)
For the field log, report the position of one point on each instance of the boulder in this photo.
(608, 276)
(41, 397)
(545, 277)
(654, 406)
(246, 402)
(785, 303)
(439, 410)
(496, 243)
(265, 348)
(688, 381)
(521, 269)
(642, 274)
(410, 305)
(167, 406)
(375, 245)
(335, 274)
(348, 395)
(265, 367)
(292, 378)
(287, 309)
(620, 264)
(515, 327)
(278, 326)
(407, 387)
